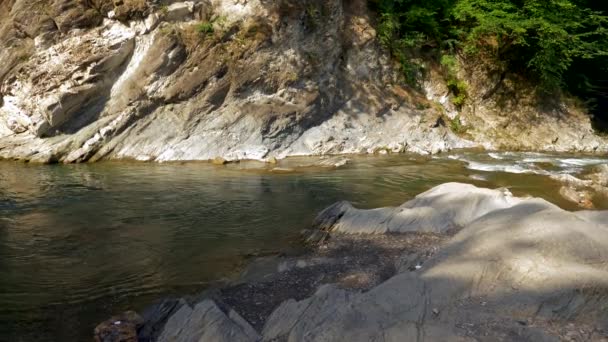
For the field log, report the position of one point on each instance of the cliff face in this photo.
(238, 79)
(504, 111)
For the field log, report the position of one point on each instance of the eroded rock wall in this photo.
(505, 111)
(195, 80)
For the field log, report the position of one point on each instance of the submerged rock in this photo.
(219, 161)
(582, 191)
(335, 162)
(584, 198)
(599, 176)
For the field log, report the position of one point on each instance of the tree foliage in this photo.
(551, 41)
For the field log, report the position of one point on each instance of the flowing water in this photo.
(81, 242)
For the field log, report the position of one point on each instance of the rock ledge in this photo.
(494, 267)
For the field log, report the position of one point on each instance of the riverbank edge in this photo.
(274, 160)
(360, 257)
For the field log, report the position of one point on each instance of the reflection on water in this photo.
(80, 242)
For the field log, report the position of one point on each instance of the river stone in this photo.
(219, 161)
(438, 210)
(120, 328)
(600, 175)
(207, 322)
(334, 162)
(582, 198)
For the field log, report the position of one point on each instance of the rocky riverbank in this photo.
(234, 79)
(455, 263)
(583, 191)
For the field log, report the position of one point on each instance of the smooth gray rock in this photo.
(298, 319)
(206, 322)
(445, 207)
(522, 257)
(155, 317)
(596, 216)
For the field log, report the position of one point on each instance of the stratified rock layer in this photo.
(198, 80)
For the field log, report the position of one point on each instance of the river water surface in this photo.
(79, 243)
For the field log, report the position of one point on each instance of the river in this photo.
(81, 242)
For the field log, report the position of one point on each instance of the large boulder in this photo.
(515, 266)
(517, 269)
(448, 206)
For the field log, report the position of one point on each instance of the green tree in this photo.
(411, 23)
(407, 25)
(542, 37)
